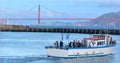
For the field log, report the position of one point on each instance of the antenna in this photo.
(62, 38)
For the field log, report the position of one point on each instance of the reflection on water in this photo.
(104, 59)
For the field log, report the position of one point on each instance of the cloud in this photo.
(102, 3)
(108, 3)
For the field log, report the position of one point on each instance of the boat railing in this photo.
(63, 47)
(66, 47)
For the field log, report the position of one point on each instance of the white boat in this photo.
(97, 45)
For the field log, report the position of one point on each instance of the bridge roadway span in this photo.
(60, 29)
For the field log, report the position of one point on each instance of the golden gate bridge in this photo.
(5, 26)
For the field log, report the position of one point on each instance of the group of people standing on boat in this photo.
(76, 43)
(58, 44)
(73, 44)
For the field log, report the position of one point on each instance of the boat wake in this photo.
(21, 59)
(43, 58)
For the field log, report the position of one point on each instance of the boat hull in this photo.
(80, 52)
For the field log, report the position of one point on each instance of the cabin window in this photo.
(101, 43)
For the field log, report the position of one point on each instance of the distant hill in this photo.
(109, 19)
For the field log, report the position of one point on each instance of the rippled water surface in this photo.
(22, 47)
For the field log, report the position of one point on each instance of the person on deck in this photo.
(56, 44)
(70, 44)
(73, 44)
(61, 44)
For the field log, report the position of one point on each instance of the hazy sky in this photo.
(58, 8)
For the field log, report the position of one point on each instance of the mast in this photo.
(67, 36)
(62, 38)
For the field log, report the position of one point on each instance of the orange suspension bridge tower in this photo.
(39, 15)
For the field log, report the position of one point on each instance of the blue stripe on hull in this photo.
(81, 56)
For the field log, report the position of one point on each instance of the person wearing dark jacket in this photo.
(70, 44)
(61, 44)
